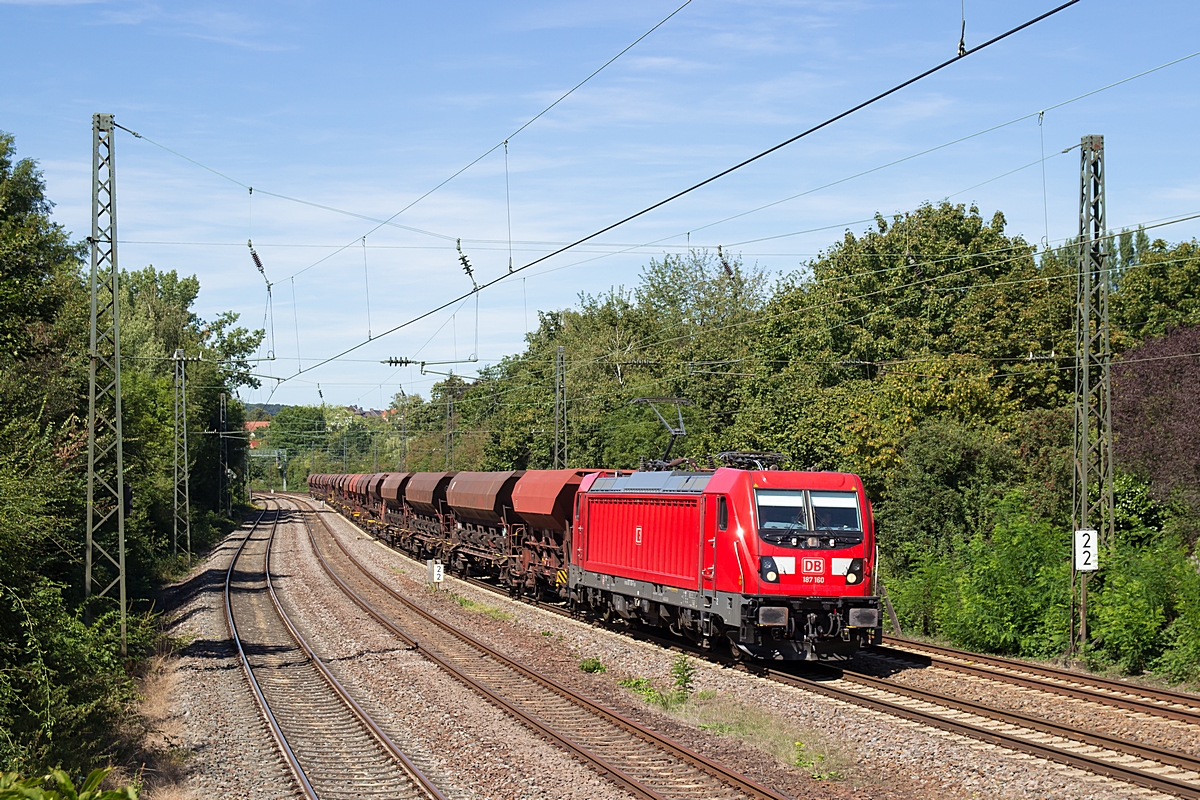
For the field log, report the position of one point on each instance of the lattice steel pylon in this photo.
(560, 408)
(183, 499)
(1092, 488)
(106, 497)
(226, 481)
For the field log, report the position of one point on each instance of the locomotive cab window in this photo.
(781, 510)
(722, 514)
(836, 511)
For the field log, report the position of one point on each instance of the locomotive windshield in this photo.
(781, 509)
(836, 511)
(808, 518)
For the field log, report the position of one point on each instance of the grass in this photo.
(592, 665)
(816, 754)
(720, 715)
(683, 670)
(491, 612)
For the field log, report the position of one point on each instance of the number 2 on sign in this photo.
(1086, 552)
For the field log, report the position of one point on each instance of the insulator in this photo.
(257, 261)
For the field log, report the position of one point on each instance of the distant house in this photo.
(365, 412)
(255, 428)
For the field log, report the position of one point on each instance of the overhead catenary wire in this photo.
(366, 287)
(444, 237)
(296, 320)
(533, 119)
(918, 154)
(1045, 196)
(659, 242)
(856, 275)
(1098, 90)
(508, 206)
(1022, 252)
(745, 162)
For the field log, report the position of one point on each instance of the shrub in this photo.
(683, 670)
(1014, 586)
(12, 787)
(1135, 601)
(592, 665)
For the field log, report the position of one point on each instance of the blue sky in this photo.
(365, 107)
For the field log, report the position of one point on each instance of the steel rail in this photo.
(1018, 743)
(418, 777)
(419, 780)
(940, 655)
(1095, 738)
(273, 724)
(600, 764)
(673, 748)
(1109, 769)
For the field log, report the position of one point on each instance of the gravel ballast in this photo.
(881, 756)
(218, 736)
(465, 745)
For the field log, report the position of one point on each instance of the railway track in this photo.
(333, 748)
(1118, 694)
(1162, 770)
(645, 763)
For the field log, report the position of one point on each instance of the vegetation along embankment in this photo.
(933, 355)
(67, 697)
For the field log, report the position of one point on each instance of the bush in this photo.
(1014, 586)
(592, 665)
(12, 787)
(64, 691)
(1181, 658)
(1130, 612)
(683, 669)
(1004, 591)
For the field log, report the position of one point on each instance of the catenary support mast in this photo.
(1092, 491)
(106, 497)
(183, 499)
(560, 408)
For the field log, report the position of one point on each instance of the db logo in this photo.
(813, 566)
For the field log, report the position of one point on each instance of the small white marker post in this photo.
(1087, 559)
(435, 573)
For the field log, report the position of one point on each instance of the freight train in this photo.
(768, 563)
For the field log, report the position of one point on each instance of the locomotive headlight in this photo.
(768, 570)
(851, 577)
(813, 541)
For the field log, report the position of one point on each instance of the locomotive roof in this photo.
(643, 482)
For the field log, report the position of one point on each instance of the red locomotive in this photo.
(774, 564)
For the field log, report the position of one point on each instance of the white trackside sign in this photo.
(1087, 551)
